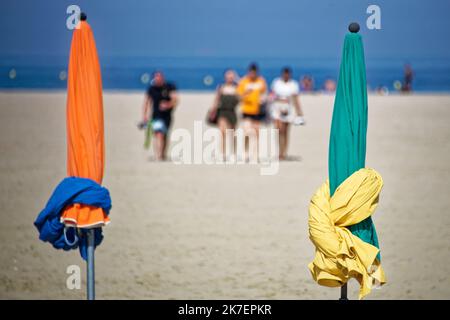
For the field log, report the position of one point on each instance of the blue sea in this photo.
(205, 73)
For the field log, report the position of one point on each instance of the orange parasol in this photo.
(85, 138)
(85, 135)
(79, 205)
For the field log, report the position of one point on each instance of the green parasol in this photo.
(347, 149)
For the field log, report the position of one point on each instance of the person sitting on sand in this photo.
(329, 86)
(161, 98)
(225, 104)
(251, 90)
(285, 107)
(307, 83)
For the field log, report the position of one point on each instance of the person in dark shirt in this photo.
(160, 99)
(408, 78)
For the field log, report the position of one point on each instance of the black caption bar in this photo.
(214, 309)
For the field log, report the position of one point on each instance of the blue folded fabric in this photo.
(69, 191)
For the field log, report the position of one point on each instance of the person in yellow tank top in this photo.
(251, 90)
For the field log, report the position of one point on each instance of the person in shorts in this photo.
(160, 100)
(285, 107)
(252, 90)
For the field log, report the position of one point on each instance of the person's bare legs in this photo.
(285, 130)
(277, 124)
(159, 146)
(164, 146)
(255, 135)
(282, 139)
(247, 126)
(223, 125)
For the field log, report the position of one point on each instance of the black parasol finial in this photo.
(353, 27)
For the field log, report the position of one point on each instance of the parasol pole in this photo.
(90, 265)
(344, 292)
(85, 132)
(90, 234)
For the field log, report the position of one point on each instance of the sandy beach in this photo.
(217, 231)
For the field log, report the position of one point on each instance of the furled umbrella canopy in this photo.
(85, 132)
(350, 247)
(347, 150)
(79, 205)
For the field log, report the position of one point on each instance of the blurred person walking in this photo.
(225, 104)
(251, 90)
(285, 107)
(160, 100)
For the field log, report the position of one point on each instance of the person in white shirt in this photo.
(285, 107)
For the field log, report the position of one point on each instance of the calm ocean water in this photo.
(132, 73)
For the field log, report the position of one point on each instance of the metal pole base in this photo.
(90, 265)
(343, 292)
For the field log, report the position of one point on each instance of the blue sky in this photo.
(228, 28)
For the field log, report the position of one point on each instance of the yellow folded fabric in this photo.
(340, 255)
